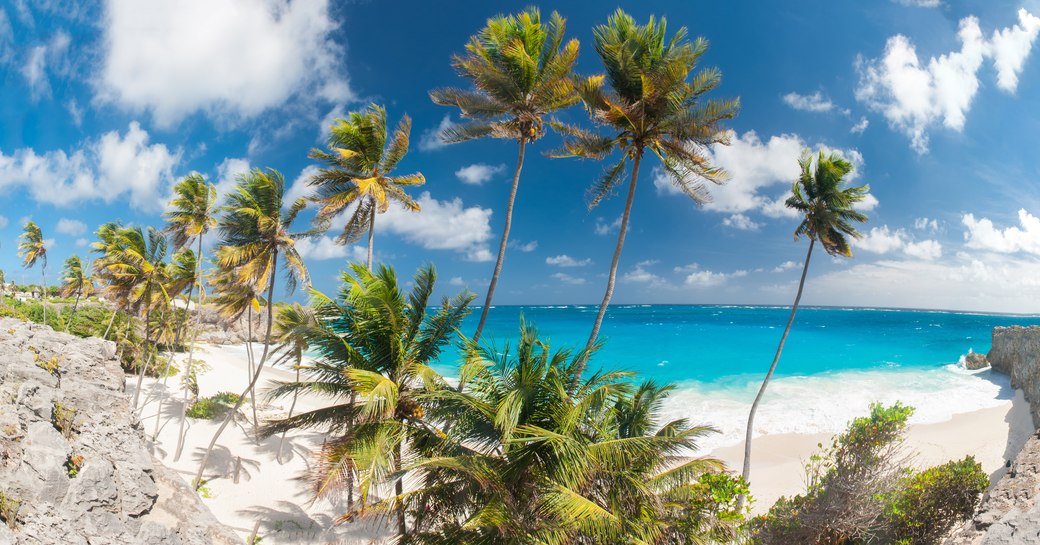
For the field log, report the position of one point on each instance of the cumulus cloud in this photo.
(70, 227)
(525, 247)
(605, 228)
(114, 166)
(914, 95)
(299, 187)
(641, 275)
(568, 279)
(786, 266)
(324, 248)
(82, 242)
(431, 138)
(479, 173)
(815, 102)
(921, 3)
(925, 224)
(882, 240)
(706, 278)
(741, 222)
(442, 225)
(226, 58)
(982, 234)
(565, 260)
(860, 126)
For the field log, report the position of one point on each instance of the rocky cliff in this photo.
(1009, 513)
(74, 465)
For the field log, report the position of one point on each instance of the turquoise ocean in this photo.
(835, 363)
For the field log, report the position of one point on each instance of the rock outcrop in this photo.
(973, 361)
(215, 329)
(74, 464)
(1016, 353)
(1010, 513)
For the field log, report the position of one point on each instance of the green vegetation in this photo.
(929, 503)
(213, 407)
(63, 418)
(9, 506)
(33, 249)
(73, 465)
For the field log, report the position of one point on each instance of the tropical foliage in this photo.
(32, 248)
(521, 71)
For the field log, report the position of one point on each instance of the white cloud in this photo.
(882, 240)
(604, 228)
(324, 248)
(565, 260)
(914, 96)
(228, 172)
(641, 275)
(706, 278)
(921, 3)
(113, 166)
(815, 102)
(226, 58)
(299, 187)
(431, 138)
(442, 225)
(568, 279)
(35, 72)
(82, 242)
(868, 203)
(456, 281)
(525, 247)
(478, 173)
(983, 235)
(786, 266)
(70, 227)
(925, 224)
(860, 126)
(741, 222)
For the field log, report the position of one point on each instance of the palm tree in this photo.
(31, 249)
(537, 455)
(255, 233)
(139, 278)
(292, 326)
(75, 281)
(828, 216)
(358, 167)
(189, 219)
(375, 345)
(520, 74)
(656, 103)
(3, 283)
(106, 245)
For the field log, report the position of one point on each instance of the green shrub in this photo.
(213, 407)
(62, 418)
(9, 507)
(73, 465)
(931, 502)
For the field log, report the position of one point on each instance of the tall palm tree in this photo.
(828, 215)
(656, 102)
(520, 74)
(31, 249)
(357, 171)
(255, 233)
(139, 278)
(375, 345)
(535, 456)
(106, 244)
(292, 327)
(3, 283)
(75, 282)
(190, 217)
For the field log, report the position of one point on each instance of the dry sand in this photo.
(273, 493)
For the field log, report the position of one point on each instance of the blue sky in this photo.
(105, 105)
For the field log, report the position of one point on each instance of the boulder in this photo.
(974, 361)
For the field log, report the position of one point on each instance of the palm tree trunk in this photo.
(191, 355)
(74, 305)
(371, 231)
(502, 244)
(762, 390)
(250, 359)
(147, 340)
(43, 291)
(256, 376)
(613, 266)
(402, 528)
(110, 322)
(296, 394)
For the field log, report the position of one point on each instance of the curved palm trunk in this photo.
(371, 232)
(402, 528)
(250, 360)
(43, 291)
(762, 390)
(110, 322)
(74, 306)
(147, 341)
(295, 395)
(256, 376)
(502, 244)
(191, 356)
(613, 266)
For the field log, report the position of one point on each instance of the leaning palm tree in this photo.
(656, 102)
(75, 282)
(520, 74)
(31, 249)
(357, 171)
(106, 246)
(139, 277)
(829, 215)
(189, 219)
(374, 345)
(255, 234)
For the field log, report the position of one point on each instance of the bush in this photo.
(930, 503)
(213, 407)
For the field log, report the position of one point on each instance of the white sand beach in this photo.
(274, 494)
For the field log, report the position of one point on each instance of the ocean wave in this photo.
(825, 403)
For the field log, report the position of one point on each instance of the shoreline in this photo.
(276, 495)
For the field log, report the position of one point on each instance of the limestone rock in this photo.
(974, 361)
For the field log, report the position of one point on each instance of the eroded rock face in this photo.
(974, 361)
(73, 454)
(1016, 353)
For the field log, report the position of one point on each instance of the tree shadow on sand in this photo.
(290, 523)
(222, 462)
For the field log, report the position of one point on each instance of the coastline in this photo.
(277, 494)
